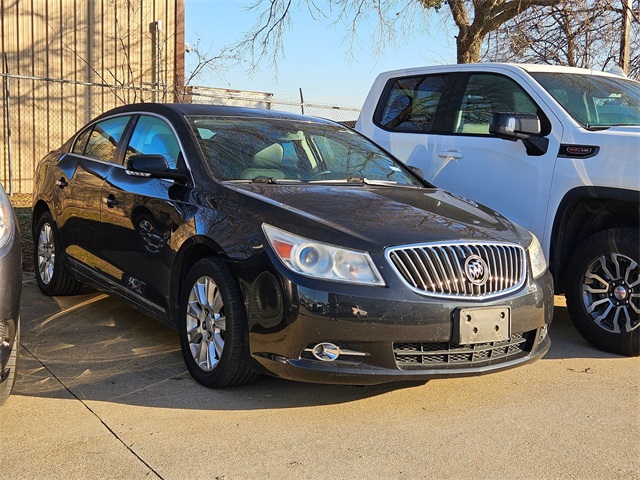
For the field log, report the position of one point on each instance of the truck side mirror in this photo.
(417, 170)
(520, 126)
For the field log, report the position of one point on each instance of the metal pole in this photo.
(161, 94)
(7, 96)
(301, 101)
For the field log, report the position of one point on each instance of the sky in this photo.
(317, 56)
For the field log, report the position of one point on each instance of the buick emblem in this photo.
(476, 269)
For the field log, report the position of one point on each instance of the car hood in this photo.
(376, 217)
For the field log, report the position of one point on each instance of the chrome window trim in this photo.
(131, 114)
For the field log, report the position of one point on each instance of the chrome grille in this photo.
(439, 269)
(411, 356)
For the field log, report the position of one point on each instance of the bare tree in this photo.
(204, 63)
(475, 19)
(488, 16)
(578, 33)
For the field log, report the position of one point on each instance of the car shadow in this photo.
(95, 348)
(566, 342)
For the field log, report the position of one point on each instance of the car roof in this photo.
(195, 109)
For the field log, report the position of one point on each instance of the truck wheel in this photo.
(603, 290)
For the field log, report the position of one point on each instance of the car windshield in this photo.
(594, 101)
(273, 150)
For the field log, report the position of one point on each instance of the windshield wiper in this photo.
(356, 181)
(366, 181)
(595, 128)
(605, 127)
(263, 179)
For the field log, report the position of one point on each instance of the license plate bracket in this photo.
(481, 325)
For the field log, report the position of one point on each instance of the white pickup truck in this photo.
(554, 149)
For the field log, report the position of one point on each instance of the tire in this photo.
(603, 290)
(211, 326)
(52, 275)
(11, 366)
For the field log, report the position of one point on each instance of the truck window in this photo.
(410, 104)
(486, 94)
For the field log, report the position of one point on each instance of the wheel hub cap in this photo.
(620, 293)
(611, 292)
(46, 254)
(205, 323)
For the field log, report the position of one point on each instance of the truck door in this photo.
(498, 173)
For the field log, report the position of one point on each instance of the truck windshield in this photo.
(594, 101)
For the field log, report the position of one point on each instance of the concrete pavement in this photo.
(102, 392)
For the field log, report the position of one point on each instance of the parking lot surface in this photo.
(102, 392)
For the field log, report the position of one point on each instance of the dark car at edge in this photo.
(288, 245)
(10, 291)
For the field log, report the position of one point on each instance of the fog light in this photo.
(543, 332)
(327, 352)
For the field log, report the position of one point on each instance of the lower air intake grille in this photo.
(416, 356)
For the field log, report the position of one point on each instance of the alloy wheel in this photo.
(611, 292)
(206, 324)
(46, 254)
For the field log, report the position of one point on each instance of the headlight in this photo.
(536, 255)
(320, 260)
(6, 224)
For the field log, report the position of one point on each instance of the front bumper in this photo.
(388, 333)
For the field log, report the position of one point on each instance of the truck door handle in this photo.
(61, 183)
(111, 201)
(451, 154)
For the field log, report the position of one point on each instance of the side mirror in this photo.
(417, 170)
(514, 125)
(520, 126)
(152, 166)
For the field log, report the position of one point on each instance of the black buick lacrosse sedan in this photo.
(288, 245)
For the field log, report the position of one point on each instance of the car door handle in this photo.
(451, 154)
(61, 183)
(111, 201)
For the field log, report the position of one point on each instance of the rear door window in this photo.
(81, 142)
(105, 137)
(411, 103)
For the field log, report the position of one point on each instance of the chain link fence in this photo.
(40, 114)
(219, 96)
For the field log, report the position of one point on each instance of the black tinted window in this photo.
(81, 142)
(411, 103)
(104, 138)
(153, 135)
